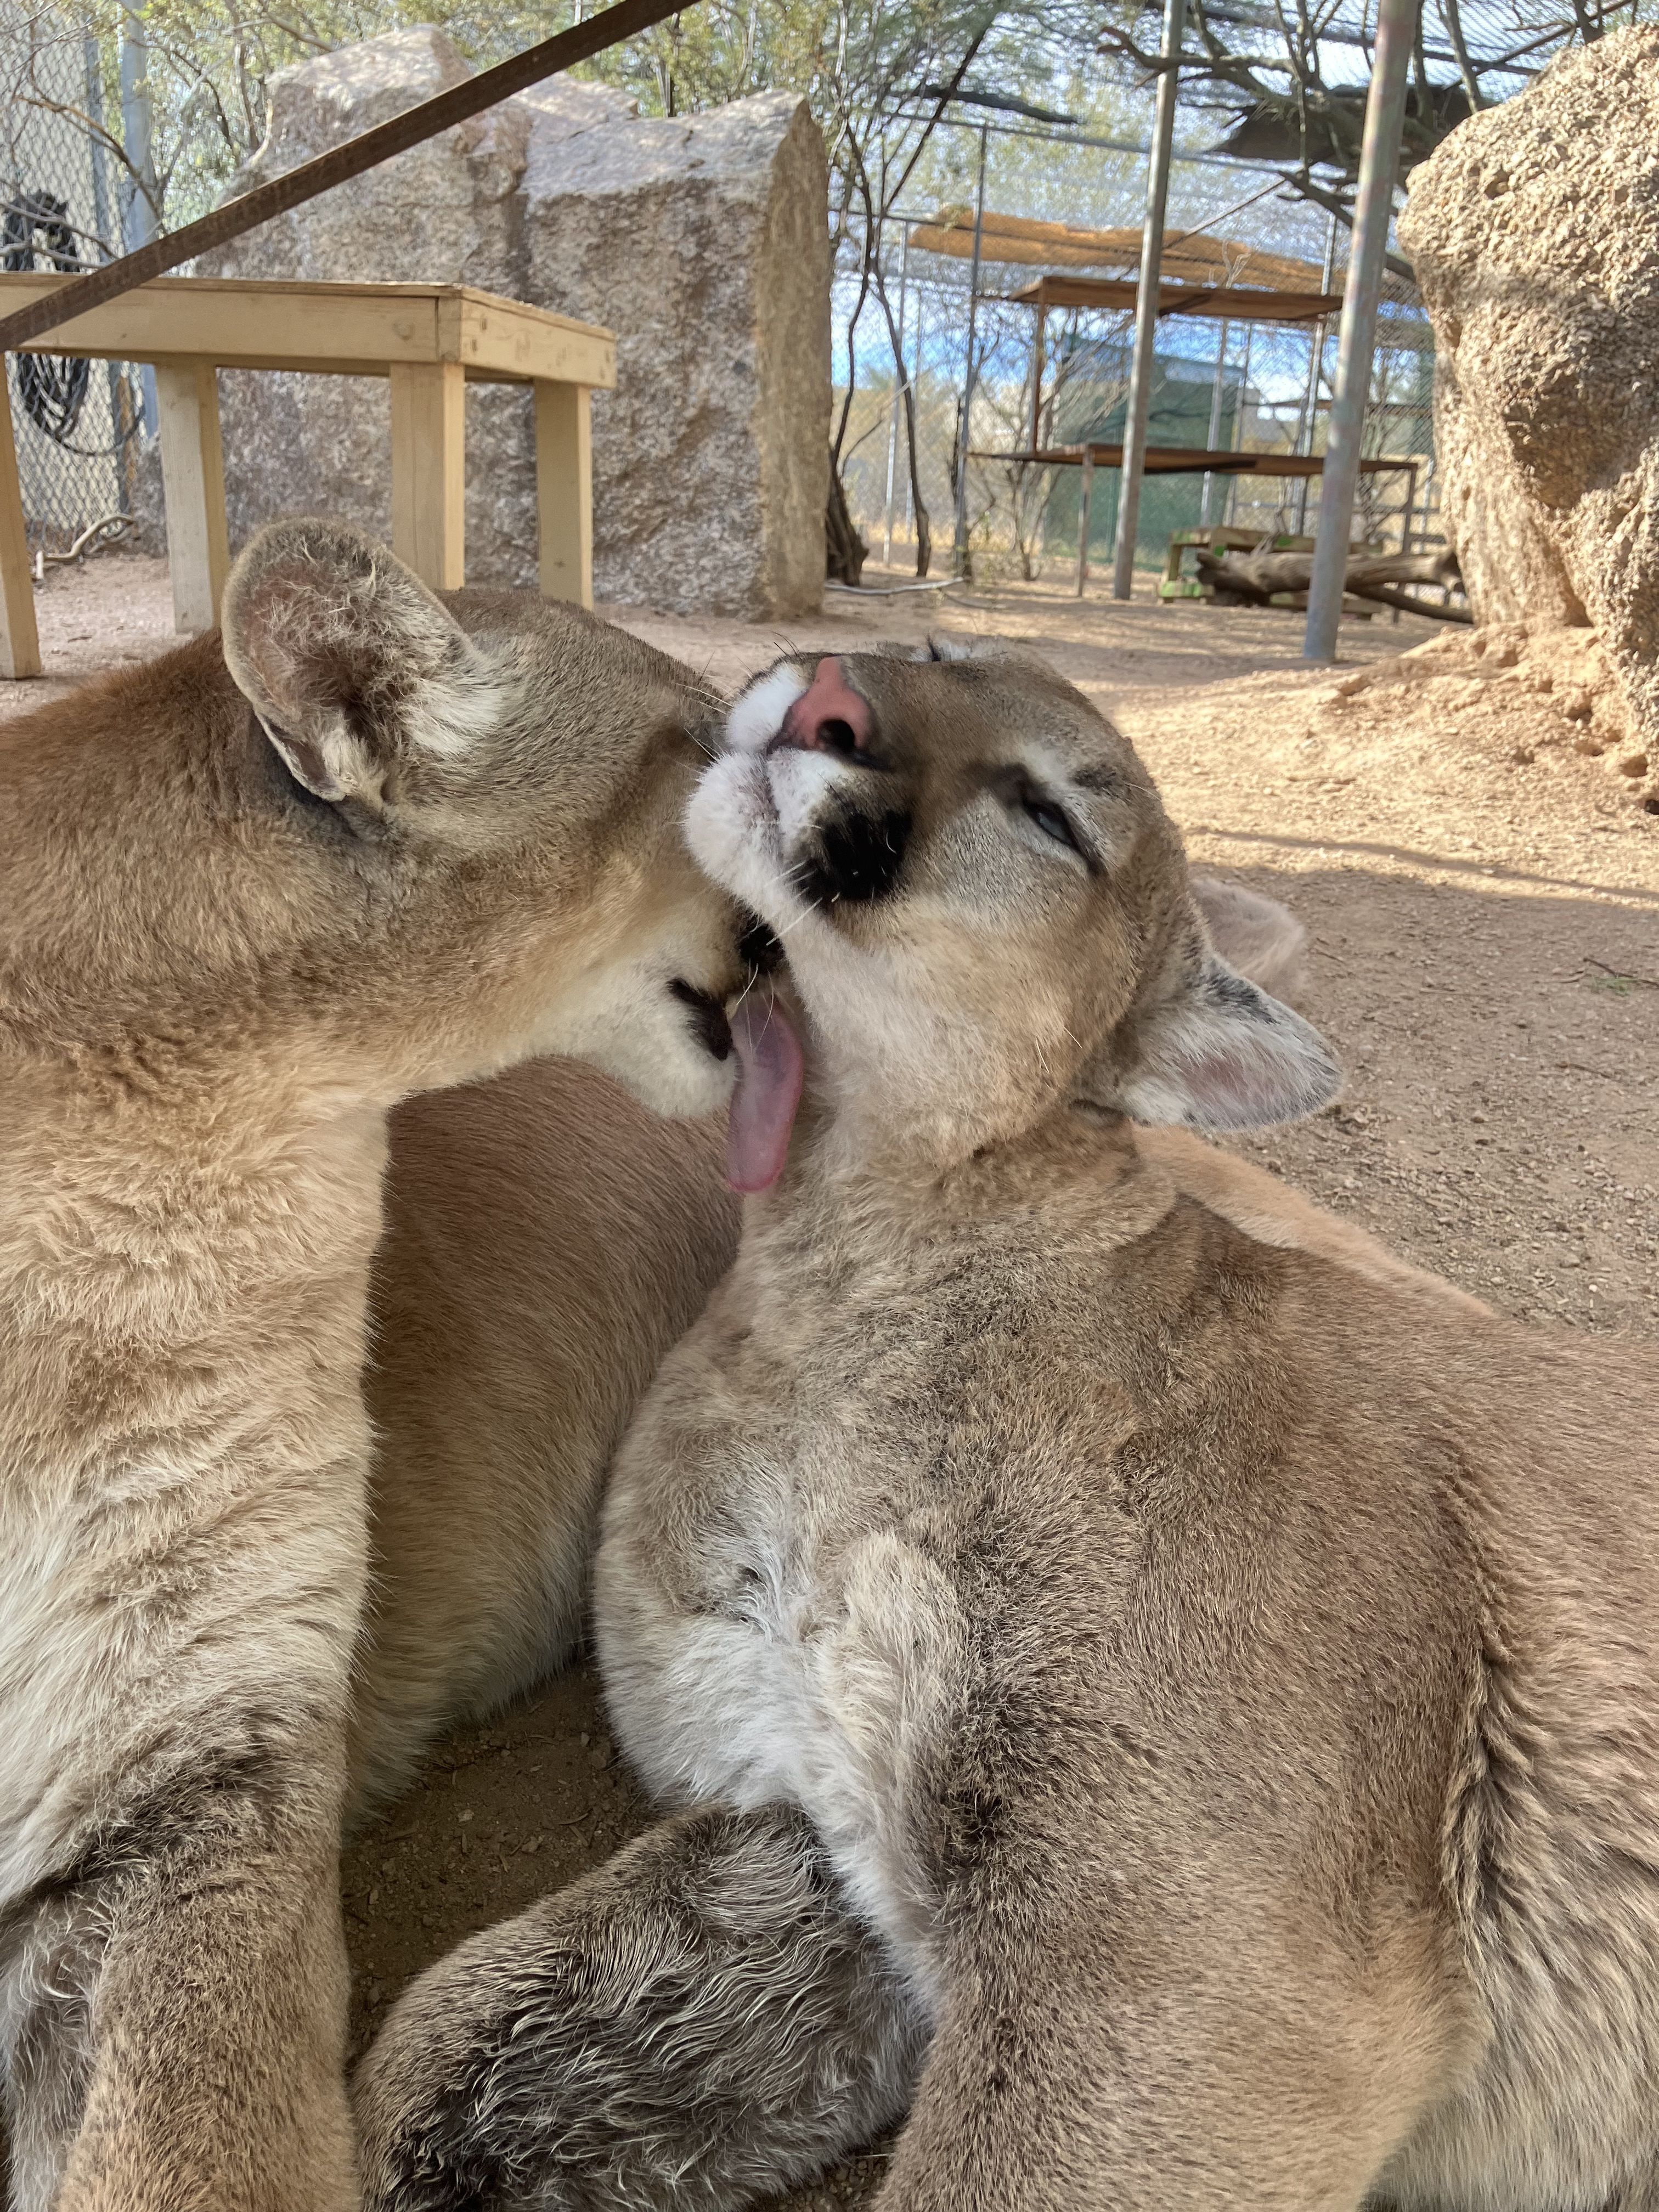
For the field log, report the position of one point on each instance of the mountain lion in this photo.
(252, 900)
(1178, 1717)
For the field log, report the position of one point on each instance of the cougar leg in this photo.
(176, 2006)
(697, 2023)
(1159, 2075)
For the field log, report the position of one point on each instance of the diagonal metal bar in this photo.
(338, 167)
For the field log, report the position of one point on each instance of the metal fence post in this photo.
(109, 240)
(1230, 505)
(1379, 163)
(898, 393)
(1086, 493)
(1151, 269)
(1316, 364)
(961, 562)
(1215, 420)
(139, 222)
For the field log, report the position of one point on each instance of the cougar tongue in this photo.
(764, 1105)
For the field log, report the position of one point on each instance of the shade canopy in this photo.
(1187, 258)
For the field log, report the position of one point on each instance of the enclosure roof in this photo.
(1198, 259)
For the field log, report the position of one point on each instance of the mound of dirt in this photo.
(1543, 698)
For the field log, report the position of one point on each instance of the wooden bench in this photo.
(431, 340)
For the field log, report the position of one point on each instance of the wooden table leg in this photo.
(428, 471)
(193, 490)
(564, 492)
(20, 642)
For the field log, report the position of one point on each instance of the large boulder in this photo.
(704, 244)
(1535, 233)
(446, 212)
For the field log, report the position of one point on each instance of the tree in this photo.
(1290, 79)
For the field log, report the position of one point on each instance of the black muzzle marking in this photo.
(857, 858)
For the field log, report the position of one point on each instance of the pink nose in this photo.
(829, 717)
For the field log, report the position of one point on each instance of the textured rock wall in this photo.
(1535, 233)
(702, 243)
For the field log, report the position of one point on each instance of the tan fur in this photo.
(546, 1242)
(199, 1046)
(1207, 1696)
(214, 982)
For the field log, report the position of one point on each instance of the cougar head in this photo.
(467, 833)
(986, 909)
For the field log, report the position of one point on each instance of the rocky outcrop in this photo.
(702, 243)
(1535, 233)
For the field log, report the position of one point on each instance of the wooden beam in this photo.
(504, 339)
(428, 471)
(564, 492)
(1228, 302)
(20, 641)
(193, 487)
(1193, 460)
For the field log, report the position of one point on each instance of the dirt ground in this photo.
(1480, 883)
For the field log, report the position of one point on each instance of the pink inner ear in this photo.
(829, 698)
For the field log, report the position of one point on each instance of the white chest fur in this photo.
(762, 1642)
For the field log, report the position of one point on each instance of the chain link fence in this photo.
(1219, 385)
(62, 192)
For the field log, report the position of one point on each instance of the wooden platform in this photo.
(1191, 461)
(1176, 461)
(1232, 303)
(1189, 257)
(429, 340)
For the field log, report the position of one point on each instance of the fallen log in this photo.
(1389, 595)
(1257, 578)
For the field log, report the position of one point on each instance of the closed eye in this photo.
(1045, 812)
(1053, 821)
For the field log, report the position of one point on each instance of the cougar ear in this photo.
(350, 663)
(1208, 1049)
(1258, 936)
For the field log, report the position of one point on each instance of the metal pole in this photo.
(1310, 397)
(1230, 507)
(898, 394)
(1152, 269)
(1215, 422)
(104, 223)
(1379, 163)
(961, 561)
(915, 391)
(1085, 495)
(139, 222)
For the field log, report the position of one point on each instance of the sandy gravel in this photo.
(1482, 891)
